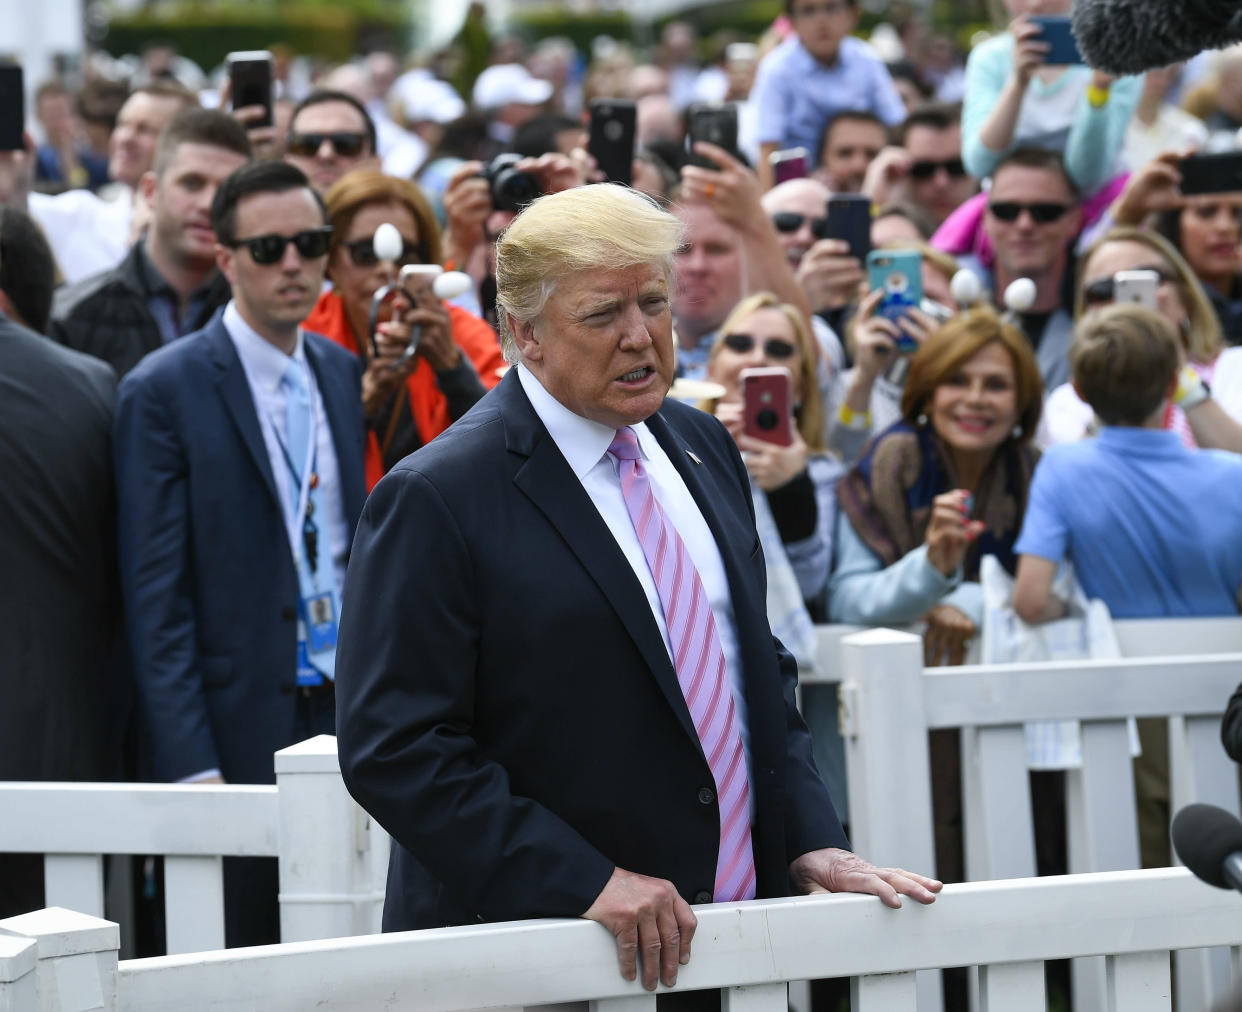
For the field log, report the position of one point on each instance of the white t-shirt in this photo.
(87, 234)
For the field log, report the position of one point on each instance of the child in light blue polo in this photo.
(1152, 528)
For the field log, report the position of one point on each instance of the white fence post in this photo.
(18, 957)
(884, 723)
(329, 848)
(77, 959)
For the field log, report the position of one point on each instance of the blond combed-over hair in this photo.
(600, 227)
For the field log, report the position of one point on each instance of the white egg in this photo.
(966, 287)
(451, 284)
(1020, 295)
(387, 242)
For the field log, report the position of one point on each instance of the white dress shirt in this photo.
(264, 365)
(584, 445)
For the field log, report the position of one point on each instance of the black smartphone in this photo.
(849, 218)
(250, 77)
(614, 122)
(716, 124)
(1220, 172)
(12, 108)
(1056, 30)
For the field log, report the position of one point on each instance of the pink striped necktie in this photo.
(700, 665)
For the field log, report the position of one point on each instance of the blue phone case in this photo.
(1056, 30)
(899, 274)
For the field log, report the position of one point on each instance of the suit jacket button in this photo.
(288, 614)
(706, 795)
(702, 896)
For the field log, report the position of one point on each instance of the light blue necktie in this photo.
(323, 579)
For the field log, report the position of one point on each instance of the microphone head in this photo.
(1203, 836)
(1131, 36)
(387, 242)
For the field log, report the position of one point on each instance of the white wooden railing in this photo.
(332, 857)
(1007, 928)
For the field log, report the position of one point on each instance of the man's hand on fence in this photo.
(648, 916)
(832, 870)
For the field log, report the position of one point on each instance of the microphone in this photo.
(1208, 840)
(1131, 36)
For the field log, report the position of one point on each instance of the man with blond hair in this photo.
(584, 713)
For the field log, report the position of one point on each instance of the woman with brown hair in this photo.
(407, 403)
(942, 487)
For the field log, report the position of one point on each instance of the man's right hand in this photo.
(829, 275)
(17, 175)
(646, 915)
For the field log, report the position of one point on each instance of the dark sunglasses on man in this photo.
(345, 143)
(773, 347)
(269, 249)
(924, 169)
(1042, 212)
(789, 222)
(362, 253)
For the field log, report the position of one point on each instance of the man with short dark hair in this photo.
(168, 284)
(89, 234)
(814, 74)
(924, 168)
(848, 144)
(240, 479)
(60, 626)
(330, 133)
(1033, 217)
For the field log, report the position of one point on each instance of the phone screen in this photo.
(12, 108)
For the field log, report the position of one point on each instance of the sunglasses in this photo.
(1104, 290)
(773, 347)
(789, 222)
(362, 253)
(925, 169)
(269, 249)
(345, 143)
(1042, 212)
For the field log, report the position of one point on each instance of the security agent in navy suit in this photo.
(210, 519)
(507, 707)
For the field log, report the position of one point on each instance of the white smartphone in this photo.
(1136, 288)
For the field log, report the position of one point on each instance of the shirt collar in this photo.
(264, 363)
(1132, 440)
(582, 441)
(156, 284)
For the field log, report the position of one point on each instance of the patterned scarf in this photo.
(888, 494)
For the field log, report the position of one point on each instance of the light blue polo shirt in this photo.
(1153, 528)
(796, 94)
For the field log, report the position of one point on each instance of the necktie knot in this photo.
(624, 445)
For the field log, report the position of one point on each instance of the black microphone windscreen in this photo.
(1131, 36)
(1203, 836)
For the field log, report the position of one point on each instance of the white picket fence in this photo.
(56, 960)
(889, 702)
(332, 858)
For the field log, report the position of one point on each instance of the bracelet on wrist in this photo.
(854, 420)
(1097, 97)
(1191, 390)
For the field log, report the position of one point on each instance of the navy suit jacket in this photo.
(506, 707)
(209, 582)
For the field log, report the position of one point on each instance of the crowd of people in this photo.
(208, 359)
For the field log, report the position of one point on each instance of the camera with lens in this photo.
(512, 189)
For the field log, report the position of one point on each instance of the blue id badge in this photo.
(306, 674)
(320, 622)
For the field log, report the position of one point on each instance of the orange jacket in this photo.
(429, 407)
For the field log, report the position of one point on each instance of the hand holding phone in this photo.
(250, 83)
(715, 124)
(1218, 172)
(1057, 32)
(849, 219)
(898, 274)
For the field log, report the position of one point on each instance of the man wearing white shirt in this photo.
(557, 687)
(240, 479)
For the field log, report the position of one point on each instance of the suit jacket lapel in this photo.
(547, 480)
(235, 392)
(343, 404)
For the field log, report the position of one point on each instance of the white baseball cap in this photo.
(508, 83)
